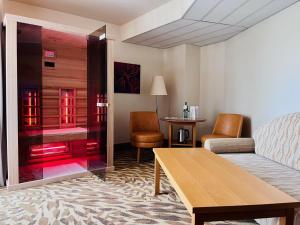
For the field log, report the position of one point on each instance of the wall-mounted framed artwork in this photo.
(127, 78)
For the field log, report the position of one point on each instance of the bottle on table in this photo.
(186, 110)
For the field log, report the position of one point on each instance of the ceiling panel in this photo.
(161, 30)
(224, 31)
(192, 35)
(200, 8)
(179, 32)
(224, 9)
(246, 10)
(266, 12)
(211, 21)
(186, 37)
(216, 39)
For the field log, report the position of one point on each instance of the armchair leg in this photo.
(138, 155)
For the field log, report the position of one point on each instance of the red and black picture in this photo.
(127, 78)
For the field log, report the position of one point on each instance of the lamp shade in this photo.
(158, 86)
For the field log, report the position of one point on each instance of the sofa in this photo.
(273, 154)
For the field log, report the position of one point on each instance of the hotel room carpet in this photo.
(123, 196)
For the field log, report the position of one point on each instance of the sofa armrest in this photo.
(230, 145)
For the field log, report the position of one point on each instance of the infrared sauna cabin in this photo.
(61, 103)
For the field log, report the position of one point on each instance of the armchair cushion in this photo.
(230, 145)
(147, 137)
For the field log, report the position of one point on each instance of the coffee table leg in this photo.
(196, 220)
(289, 218)
(170, 135)
(194, 135)
(156, 177)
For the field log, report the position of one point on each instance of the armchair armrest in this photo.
(230, 145)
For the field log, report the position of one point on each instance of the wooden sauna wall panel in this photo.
(70, 71)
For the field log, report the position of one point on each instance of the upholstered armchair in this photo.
(226, 126)
(145, 131)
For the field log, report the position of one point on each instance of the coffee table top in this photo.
(208, 183)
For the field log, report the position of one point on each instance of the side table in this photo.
(183, 122)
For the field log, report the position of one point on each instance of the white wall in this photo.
(174, 72)
(192, 71)
(262, 70)
(212, 90)
(181, 70)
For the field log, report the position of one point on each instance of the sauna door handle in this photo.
(102, 104)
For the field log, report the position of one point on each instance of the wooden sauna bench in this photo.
(57, 135)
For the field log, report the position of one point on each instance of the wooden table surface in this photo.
(212, 187)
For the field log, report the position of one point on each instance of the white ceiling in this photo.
(211, 21)
(111, 11)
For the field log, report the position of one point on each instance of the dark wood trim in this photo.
(241, 209)
(122, 146)
(290, 217)
(127, 145)
(288, 214)
(242, 215)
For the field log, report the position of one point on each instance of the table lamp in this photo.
(158, 88)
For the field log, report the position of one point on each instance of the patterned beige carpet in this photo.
(120, 197)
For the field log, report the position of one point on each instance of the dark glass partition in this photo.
(97, 99)
(61, 102)
(29, 50)
(3, 153)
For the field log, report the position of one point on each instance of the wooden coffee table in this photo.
(214, 189)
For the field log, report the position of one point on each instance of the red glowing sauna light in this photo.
(48, 150)
(98, 109)
(30, 108)
(92, 145)
(101, 111)
(67, 108)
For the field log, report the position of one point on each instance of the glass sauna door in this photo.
(61, 103)
(97, 103)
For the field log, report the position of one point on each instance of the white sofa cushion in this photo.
(276, 174)
(230, 145)
(279, 140)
